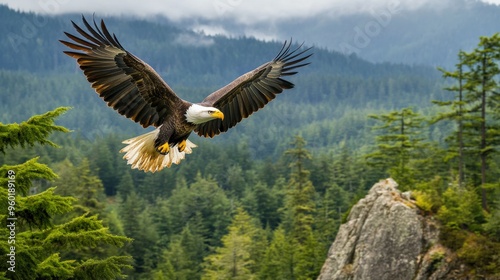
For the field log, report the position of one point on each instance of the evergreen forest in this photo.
(265, 199)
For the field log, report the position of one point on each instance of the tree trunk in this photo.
(460, 131)
(483, 135)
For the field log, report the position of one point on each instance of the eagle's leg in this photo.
(162, 144)
(182, 145)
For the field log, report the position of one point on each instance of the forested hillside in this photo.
(264, 200)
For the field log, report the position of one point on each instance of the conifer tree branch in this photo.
(109, 268)
(25, 173)
(35, 130)
(38, 210)
(53, 268)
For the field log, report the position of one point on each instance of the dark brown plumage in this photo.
(251, 91)
(135, 90)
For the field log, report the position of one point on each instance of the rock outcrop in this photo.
(386, 237)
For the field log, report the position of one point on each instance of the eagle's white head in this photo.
(197, 114)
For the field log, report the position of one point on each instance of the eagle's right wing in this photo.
(126, 83)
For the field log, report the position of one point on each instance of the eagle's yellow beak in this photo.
(218, 115)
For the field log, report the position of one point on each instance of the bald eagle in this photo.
(135, 90)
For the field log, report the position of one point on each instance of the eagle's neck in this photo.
(197, 114)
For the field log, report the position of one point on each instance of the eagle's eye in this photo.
(211, 112)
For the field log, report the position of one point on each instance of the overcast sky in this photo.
(242, 11)
(257, 18)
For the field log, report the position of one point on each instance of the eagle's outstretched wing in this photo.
(252, 91)
(125, 82)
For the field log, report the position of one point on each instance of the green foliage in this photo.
(52, 267)
(428, 195)
(203, 204)
(424, 201)
(480, 253)
(236, 259)
(477, 100)
(263, 202)
(37, 210)
(452, 238)
(109, 268)
(138, 224)
(470, 228)
(78, 181)
(461, 208)
(83, 231)
(300, 194)
(38, 243)
(492, 225)
(310, 258)
(399, 143)
(279, 260)
(35, 130)
(436, 259)
(26, 173)
(457, 112)
(183, 258)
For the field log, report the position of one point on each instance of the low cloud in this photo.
(196, 40)
(246, 12)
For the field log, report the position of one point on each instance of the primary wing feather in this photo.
(252, 91)
(126, 83)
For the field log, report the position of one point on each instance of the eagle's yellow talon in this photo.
(164, 149)
(182, 146)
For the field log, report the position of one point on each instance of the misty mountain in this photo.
(431, 34)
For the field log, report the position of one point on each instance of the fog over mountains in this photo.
(429, 33)
(401, 31)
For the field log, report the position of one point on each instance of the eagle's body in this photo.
(135, 90)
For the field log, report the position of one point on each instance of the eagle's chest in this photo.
(175, 128)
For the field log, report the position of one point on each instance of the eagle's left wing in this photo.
(252, 91)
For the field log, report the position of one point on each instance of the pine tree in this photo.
(195, 248)
(280, 258)
(236, 259)
(80, 182)
(138, 224)
(299, 212)
(483, 96)
(86, 187)
(102, 165)
(183, 258)
(399, 143)
(126, 185)
(263, 203)
(331, 207)
(235, 181)
(35, 130)
(457, 112)
(37, 244)
(202, 203)
(300, 197)
(461, 208)
(310, 257)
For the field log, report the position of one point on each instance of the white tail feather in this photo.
(141, 153)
